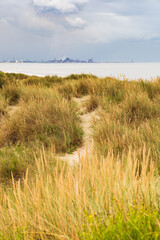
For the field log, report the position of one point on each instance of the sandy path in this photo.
(86, 124)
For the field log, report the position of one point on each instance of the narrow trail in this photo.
(86, 124)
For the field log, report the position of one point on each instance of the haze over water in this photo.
(121, 70)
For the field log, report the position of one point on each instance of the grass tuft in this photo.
(47, 121)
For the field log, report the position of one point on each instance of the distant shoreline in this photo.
(83, 62)
(131, 71)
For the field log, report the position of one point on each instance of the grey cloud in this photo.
(100, 20)
(64, 6)
(68, 22)
(123, 19)
(21, 14)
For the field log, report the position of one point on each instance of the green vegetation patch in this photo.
(137, 224)
(14, 160)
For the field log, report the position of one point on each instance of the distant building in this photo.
(90, 60)
(67, 60)
(62, 60)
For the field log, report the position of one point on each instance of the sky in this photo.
(105, 30)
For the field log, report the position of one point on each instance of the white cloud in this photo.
(64, 6)
(69, 22)
(22, 15)
(76, 22)
(99, 21)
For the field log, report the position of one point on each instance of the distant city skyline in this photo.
(105, 30)
(55, 60)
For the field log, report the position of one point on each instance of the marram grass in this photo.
(100, 198)
(112, 193)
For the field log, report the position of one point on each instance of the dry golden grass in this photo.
(129, 121)
(92, 103)
(119, 179)
(48, 119)
(3, 106)
(41, 117)
(53, 205)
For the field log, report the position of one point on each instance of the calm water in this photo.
(121, 70)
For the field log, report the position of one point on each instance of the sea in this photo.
(130, 71)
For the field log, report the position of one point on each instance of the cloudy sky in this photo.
(105, 30)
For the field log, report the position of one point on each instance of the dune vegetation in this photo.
(113, 192)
